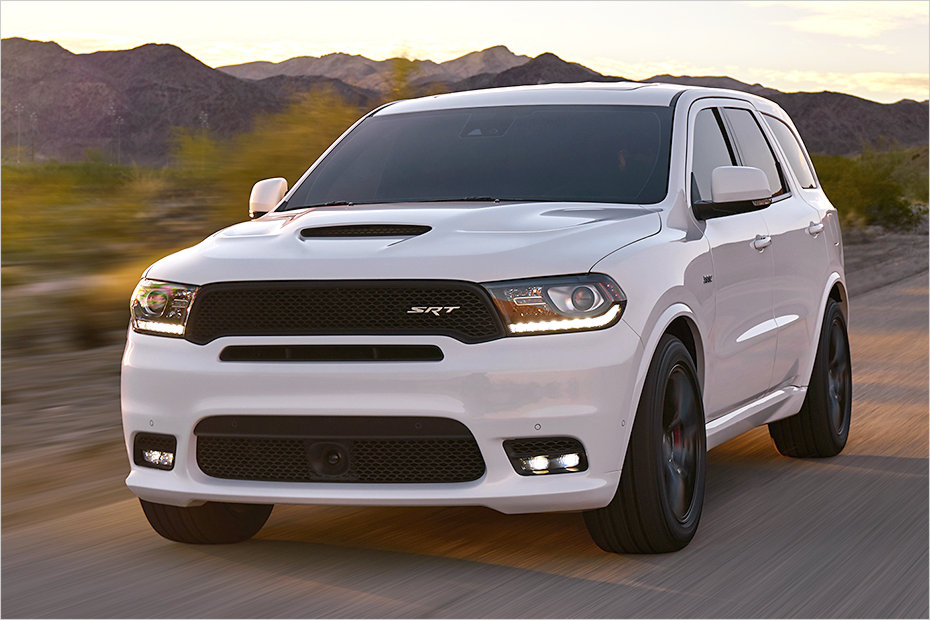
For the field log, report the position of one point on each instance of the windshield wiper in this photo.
(331, 203)
(349, 203)
(493, 199)
(466, 199)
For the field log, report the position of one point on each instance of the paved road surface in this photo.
(843, 537)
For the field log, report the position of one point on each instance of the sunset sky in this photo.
(877, 50)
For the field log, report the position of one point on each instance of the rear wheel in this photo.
(210, 523)
(821, 428)
(658, 502)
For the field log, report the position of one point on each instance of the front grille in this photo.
(375, 449)
(311, 308)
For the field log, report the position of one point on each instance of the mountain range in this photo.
(378, 75)
(57, 104)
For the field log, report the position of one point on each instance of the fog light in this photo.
(157, 457)
(155, 450)
(532, 456)
(566, 461)
(551, 464)
(536, 464)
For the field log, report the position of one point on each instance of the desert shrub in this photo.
(284, 144)
(65, 215)
(876, 188)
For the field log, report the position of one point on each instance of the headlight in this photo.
(161, 307)
(548, 305)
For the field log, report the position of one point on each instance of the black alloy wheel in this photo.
(839, 382)
(680, 443)
(821, 427)
(657, 505)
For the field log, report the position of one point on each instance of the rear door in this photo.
(743, 337)
(798, 246)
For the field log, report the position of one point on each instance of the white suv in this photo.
(533, 299)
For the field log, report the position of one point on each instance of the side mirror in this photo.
(265, 196)
(735, 189)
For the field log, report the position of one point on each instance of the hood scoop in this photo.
(364, 230)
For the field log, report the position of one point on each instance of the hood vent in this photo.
(365, 230)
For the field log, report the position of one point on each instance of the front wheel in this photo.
(658, 502)
(211, 523)
(821, 428)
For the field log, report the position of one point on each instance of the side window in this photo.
(793, 151)
(710, 150)
(753, 148)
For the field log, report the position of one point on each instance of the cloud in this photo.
(859, 20)
(891, 85)
(876, 85)
(874, 47)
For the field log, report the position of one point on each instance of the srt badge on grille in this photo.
(435, 310)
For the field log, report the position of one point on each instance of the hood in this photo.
(477, 242)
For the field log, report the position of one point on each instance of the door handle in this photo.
(761, 242)
(815, 229)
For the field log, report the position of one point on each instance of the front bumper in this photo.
(578, 385)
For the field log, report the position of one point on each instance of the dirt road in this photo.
(841, 537)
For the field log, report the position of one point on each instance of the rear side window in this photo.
(753, 148)
(710, 151)
(793, 151)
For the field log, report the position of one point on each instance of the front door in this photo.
(743, 336)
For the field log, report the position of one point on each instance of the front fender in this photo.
(650, 343)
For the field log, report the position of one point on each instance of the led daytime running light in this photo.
(566, 324)
(162, 328)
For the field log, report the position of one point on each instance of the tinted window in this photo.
(753, 148)
(793, 151)
(710, 151)
(571, 153)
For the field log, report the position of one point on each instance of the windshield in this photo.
(584, 153)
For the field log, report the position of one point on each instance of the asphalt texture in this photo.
(779, 537)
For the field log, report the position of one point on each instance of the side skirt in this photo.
(781, 403)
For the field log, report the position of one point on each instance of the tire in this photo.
(658, 502)
(212, 523)
(821, 428)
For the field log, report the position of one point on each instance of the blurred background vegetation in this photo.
(77, 236)
(884, 187)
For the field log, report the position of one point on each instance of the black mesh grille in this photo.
(385, 458)
(365, 230)
(308, 308)
(252, 458)
(542, 446)
(417, 460)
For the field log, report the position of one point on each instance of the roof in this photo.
(587, 93)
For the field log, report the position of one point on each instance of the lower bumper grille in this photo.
(357, 449)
